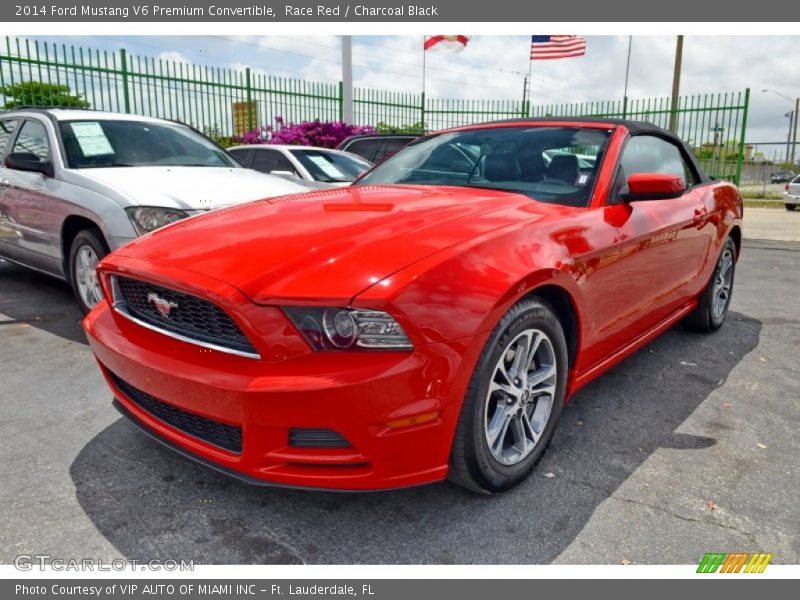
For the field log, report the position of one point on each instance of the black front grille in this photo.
(186, 315)
(225, 436)
(316, 438)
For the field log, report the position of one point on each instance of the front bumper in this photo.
(360, 396)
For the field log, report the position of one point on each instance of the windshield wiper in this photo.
(109, 165)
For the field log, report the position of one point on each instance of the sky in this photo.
(493, 67)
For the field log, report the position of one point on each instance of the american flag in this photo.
(546, 47)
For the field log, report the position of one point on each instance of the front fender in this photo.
(464, 292)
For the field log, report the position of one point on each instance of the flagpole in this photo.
(424, 58)
(627, 70)
(530, 83)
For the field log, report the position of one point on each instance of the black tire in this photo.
(790, 206)
(91, 238)
(472, 464)
(703, 318)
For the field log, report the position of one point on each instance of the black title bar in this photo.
(478, 11)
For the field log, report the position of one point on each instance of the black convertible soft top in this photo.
(635, 127)
(631, 125)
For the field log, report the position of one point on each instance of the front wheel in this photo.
(513, 400)
(713, 303)
(87, 249)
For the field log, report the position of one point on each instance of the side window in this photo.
(381, 152)
(271, 160)
(32, 139)
(651, 154)
(243, 155)
(7, 128)
(365, 147)
(393, 145)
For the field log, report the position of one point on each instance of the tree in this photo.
(215, 133)
(417, 128)
(37, 93)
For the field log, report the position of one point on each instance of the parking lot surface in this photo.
(689, 446)
(772, 224)
(758, 188)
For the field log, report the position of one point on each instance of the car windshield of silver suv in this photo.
(118, 143)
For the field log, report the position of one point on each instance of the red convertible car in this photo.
(428, 322)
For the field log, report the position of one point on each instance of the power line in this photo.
(434, 68)
(476, 76)
(383, 47)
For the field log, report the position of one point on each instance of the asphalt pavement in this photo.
(689, 446)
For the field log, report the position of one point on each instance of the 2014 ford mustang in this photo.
(428, 322)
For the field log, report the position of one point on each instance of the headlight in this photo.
(149, 218)
(348, 329)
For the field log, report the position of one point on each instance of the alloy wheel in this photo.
(722, 284)
(86, 260)
(520, 397)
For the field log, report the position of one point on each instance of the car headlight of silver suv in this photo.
(149, 218)
(348, 329)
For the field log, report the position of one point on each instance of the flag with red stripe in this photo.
(448, 43)
(547, 47)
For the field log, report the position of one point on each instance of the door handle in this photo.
(700, 216)
(5, 183)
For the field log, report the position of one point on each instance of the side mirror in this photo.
(28, 161)
(653, 186)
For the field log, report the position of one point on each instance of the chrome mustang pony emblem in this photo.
(164, 307)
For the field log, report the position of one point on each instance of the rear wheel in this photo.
(87, 249)
(513, 401)
(713, 303)
(790, 206)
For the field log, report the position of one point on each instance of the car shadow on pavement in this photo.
(32, 298)
(153, 504)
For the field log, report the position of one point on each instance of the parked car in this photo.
(320, 167)
(375, 147)
(430, 320)
(782, 176)
(75, 184)
(792, 194)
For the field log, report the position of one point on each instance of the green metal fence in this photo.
(218, 100)
(224, 102)
(712, 124)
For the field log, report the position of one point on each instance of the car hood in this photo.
(329, 245)
(189, 188)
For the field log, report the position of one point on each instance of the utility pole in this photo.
(676, 85)
(627, 71)
(791, 138)
(524, 90)
(347, 79)
(794, 134)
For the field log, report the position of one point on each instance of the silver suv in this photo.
(76, 184)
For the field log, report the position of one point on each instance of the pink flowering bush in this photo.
(326, 134)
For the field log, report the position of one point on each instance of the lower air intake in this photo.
(227, 437)
(316, 438)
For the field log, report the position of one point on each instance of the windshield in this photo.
(332, 167)
(550, 164)
(113, 143)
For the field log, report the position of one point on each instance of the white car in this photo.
(317, 167)
(76, 184)
(792, 194)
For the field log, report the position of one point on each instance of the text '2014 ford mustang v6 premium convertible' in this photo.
(428, 322)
